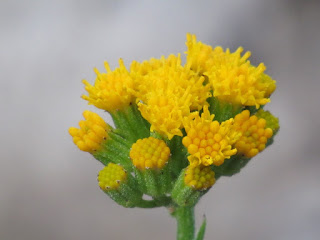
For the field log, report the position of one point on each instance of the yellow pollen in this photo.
(111, 177)
(149, 153)
(199, 177)
(255, 134)
(92, 132)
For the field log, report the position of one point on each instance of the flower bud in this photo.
(92, 132)
(150, 157)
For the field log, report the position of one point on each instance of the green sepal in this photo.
(184, 195)
(131, 124)
(116, 150)
(154, 182)
(223, 110)
(202, 229)
(165, 180)
(178, 159)
(116, 196)
(127, 195)
(151, 181)
(130, 190)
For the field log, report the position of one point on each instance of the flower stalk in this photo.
(185, 222)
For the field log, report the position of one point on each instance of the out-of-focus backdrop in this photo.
(48, 188)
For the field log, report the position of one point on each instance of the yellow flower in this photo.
(166, 92)
(232, 76)
(111, 177)
(199, 177)
(111, 90)
(92, 132)
(149, 153)
(254, 134)
(208, 142)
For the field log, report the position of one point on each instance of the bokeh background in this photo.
(48, 188)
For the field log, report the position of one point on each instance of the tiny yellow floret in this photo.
(111, 177)
(198, 54)
(92, 132)
(112, 90)
(149, 153)
(254, 136)
(199, 177)
(208, 142)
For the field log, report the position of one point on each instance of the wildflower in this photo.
(92, 132)
(111, 90)
(199, 177)
(208, 142)
(111, 177)
(177, 127)
(254, 134)
(149, 153)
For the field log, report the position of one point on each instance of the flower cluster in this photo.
(178, 126)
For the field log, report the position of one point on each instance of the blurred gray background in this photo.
(48, 188)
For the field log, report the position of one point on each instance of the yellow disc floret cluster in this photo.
(149, 153)
(208, 142)
(111, 177)
(111, 90)
(166, 92)
(254, 134)
(92, 132)
(231, 75)
(199, 177)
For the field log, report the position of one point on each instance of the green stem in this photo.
(185, 222)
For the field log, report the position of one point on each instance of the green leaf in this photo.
(202, 229)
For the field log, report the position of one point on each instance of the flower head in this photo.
(111, 177)
(199, 177)
(149, 153)
(235, 80)
(254, 134)
(231, 75)
(208, 142)
(166, 92)
(111, 90)
(92, 132)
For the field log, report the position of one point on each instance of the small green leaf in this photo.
(202, 229)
